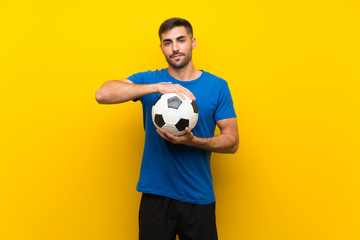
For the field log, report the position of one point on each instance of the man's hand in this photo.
(175, 88)
(186, 139)
(226, 142)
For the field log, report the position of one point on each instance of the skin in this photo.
(176, 45)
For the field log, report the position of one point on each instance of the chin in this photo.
(178, 66)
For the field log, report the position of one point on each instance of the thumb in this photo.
(188, 130)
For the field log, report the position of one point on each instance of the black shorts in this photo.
(162, 218)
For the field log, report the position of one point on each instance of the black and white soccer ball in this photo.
(174, 114)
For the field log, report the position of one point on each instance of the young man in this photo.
(175, 176)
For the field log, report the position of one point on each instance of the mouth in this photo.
(176, 55)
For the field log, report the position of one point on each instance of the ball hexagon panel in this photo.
(193, 120)
(186, 110)
(160, 106)
(171, 116)
(172, 129)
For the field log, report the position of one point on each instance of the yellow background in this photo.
(69, 166)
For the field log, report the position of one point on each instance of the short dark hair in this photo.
(175, 22)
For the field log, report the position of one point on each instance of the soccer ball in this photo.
(174, 114)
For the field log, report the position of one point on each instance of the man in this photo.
(175, 177)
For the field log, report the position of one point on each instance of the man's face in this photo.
(177, 45)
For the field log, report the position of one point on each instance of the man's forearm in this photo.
(226, 142)
(221, 143)
(117, 91)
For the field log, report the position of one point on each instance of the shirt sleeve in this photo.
(225, 106)
(141, 78)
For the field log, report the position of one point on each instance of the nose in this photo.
(175, 47)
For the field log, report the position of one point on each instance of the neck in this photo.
(187, 73)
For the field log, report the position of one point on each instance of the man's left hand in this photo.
(186, 139)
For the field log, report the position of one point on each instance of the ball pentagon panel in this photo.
(159, 120)
(182, 124)
(174, 102)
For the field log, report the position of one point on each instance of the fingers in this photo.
(184, 139)
(176, 88)
(166, 135)
(181, 91)
(184, 91)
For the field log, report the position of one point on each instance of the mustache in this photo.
(177, 53)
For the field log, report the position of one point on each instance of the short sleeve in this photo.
(141, 77)
(225, 106)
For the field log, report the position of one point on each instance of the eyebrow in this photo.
(178, 38)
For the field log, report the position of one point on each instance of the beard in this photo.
(179, 63)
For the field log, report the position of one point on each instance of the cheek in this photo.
(164, 51)
(168, 52)
(189, 48)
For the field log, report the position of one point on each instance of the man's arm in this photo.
(226, 142)
(119, 91)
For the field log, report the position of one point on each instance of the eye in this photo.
(182, 40)
(166, 43)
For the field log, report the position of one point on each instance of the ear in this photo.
(193, 42)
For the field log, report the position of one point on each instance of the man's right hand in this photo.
(164, 88)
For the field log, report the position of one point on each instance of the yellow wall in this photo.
(69, 166)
